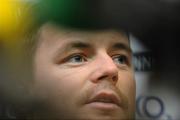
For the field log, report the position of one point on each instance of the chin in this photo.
(103, 116)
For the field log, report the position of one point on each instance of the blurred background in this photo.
(153, 26)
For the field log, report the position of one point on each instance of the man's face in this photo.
(84, 75)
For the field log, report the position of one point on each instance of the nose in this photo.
(105, 69)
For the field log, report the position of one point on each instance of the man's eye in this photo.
(120, 59)
(76, 59)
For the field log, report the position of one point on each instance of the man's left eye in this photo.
(120, 59)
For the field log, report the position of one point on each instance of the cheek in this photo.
(70, 79)
(57, 81)
(126, 81)
(58, 88)
(126, 84)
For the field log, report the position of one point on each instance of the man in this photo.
(81, 74)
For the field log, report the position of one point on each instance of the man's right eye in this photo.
(77, 59)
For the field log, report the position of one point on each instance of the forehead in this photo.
(52, 35)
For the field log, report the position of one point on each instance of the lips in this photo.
(106, 99)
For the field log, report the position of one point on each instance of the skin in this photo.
(71, 67)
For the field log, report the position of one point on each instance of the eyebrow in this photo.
(85, 45)
(70, 46)
(122, 46)
(79, 45)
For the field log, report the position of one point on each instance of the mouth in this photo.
(105, 100)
